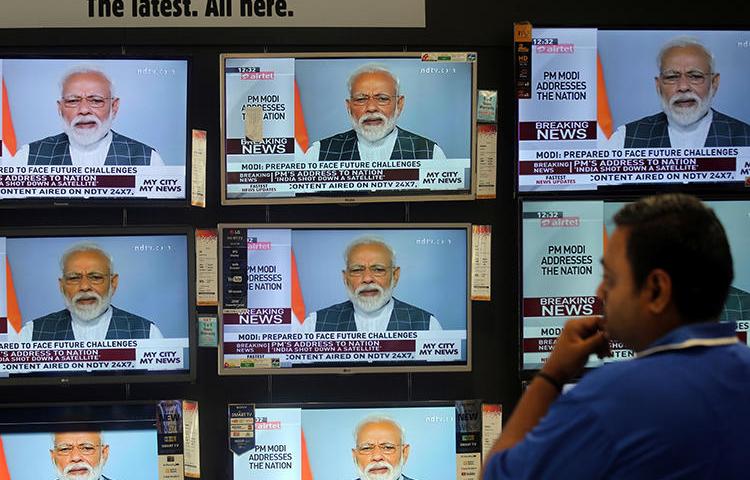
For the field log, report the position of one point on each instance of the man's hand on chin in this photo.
(580, 338)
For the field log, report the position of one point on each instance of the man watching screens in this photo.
(370, 276)
(87, 107)
(380, 450)
(87, 283)
(374, 105)
(79, 455)
(672, 411)
(686, 85)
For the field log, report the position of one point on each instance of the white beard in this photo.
(84, 137)
(394, 471)
(686, 116)
(94, 473)
(89, 312)
(369, 304)
(373, 133)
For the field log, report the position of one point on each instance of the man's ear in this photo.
(396, 275)
(344, 278)
(115, 106)
(715, 82)
(115, 282)
(105, 452)
(657, 290)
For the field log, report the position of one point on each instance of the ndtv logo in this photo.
(561, 48)
(560, 222)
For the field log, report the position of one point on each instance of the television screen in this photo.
(94, 129)
(333, 298)
(621, 109)
(335, 127)
(96, 305)
(79, 441)
(337, 442)
(563, 242)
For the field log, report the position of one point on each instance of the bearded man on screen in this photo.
(79, 455)
(374, 105)
(87, 108)
(686, 84)
(88, 282)
(380, 449)
(370, 276)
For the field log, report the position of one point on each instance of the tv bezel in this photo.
(375, 367)
(626, 190)
(62, 202)
(353, 405)
(107, 377)
(335, 197)
(77, 416)
(528, 373)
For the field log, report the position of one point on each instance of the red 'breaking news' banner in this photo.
(562, 306)
(268, 146)
(260, 316)
(539, 344)
(346, 346)
(563, 130)
(54, 356)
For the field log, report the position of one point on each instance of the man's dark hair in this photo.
(680, 235)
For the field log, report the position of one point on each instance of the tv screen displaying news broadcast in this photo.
(563, 242)
(79, 441)
(432, 440)
(94, 129)
(339, 298)
(92, 305)
(620, 109)
(335, 127)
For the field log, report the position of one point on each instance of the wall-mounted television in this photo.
(97, 304)
(93, 130)
(622, 110)
(341, 442)
(344, 298)
(79, 441)
(347, 127)
(562, 244)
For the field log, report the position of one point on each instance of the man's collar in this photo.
(694, 334)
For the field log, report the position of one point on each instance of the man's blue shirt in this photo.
(679, 412)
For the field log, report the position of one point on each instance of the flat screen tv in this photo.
(93, 130)
(96, 304)
(76, 440)
(347, 127)
(291, 302)
(338, 442)
(623, 110)
(562, 244)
